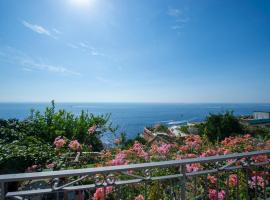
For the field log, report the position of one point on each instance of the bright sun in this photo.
(81, 3)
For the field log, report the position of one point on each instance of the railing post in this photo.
(183, 182)
(2, 192)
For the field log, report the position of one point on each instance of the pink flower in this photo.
(230, 161)
(232, 180)
(59, 142)
(138, 149)
(260, 158)
(209, 152)
(193, 142)
(260, 182)
(212, 179)
(184, 148)
(203, 155)
(119, 159)
(99, 194)
(143, 154)
(50, 166)
(32, 168)
(92, 129)
(222, 151)
(212, 194)
(191, 155)
(247, 136)
(137, 146)
(164, 149)
(193, 167)
(74, 145)
(226, 151)
(139, 197)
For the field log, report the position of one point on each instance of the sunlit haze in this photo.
(81, 3)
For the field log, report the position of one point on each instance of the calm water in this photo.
(133, 117)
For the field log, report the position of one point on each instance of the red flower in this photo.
(99, 194)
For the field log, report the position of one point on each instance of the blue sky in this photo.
(135, 51)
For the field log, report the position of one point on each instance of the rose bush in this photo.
(193, 146)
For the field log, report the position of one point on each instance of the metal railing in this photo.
(210, 178)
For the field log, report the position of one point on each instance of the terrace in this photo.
(124, 181)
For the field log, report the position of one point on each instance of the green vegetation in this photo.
(262, 132)
(218, 126)
(52, 124)
(30, 141)
(161, 128)
(184, 129)
(127, 143)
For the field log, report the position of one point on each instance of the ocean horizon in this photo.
(133, 117)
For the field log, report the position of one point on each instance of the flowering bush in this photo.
(69, 136)
(194, 146)
(53, 136)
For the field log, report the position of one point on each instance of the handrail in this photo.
(124, 182)
(120, 168)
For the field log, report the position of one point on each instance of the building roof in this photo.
(261, 111)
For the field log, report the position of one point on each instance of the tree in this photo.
(218, 126)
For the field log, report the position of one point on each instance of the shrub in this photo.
(30, 141)
(218, 126)
(16, 156)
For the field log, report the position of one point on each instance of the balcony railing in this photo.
(155, 180)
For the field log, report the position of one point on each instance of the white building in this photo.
(261, 115)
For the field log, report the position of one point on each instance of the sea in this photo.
(133, 117)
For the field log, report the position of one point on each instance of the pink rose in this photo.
(212, 179)
(74, 145)
(92, 129)
(50, 166)
(59, 142)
